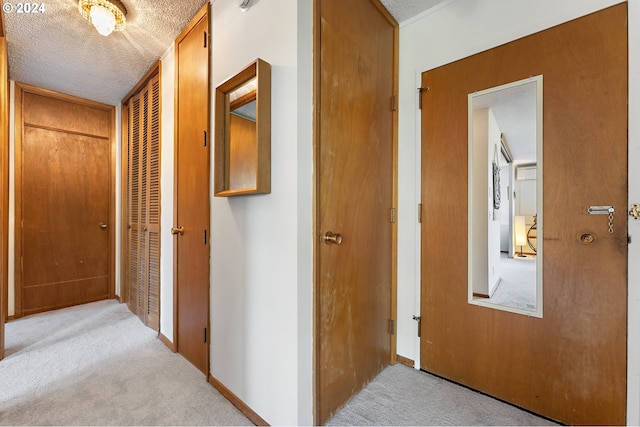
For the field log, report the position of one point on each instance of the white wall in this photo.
(455, 30)
(484, 229)
(493, 228)
(261, 247)
(479, 207)
(167, 86)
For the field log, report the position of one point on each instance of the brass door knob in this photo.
(332, 238)
(177, 230)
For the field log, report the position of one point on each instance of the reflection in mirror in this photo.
(505, 197)
(243, 148)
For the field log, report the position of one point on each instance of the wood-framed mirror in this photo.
(243, 133)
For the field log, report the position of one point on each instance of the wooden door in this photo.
(4, 183)
(355, 198)
(142, 203)
(64, 201)
(192, 191)
(569, 365)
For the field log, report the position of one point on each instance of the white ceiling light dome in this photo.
(105, 15)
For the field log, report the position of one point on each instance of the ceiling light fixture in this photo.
(106, 15)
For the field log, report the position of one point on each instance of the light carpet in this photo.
(400, 395)
(518, 286)
(97, 364)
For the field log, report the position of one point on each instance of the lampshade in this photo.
(520, 230)
(105, 15)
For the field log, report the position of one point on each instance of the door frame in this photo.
(4, 183)
(633, 226)
(20, 90)
(316, 196)
(203, 13)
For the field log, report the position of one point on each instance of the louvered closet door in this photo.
(143, 204)
(152, 228)
(133, 207)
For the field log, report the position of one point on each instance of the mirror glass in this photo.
(242, 158)
(505, 197)
(243, 148)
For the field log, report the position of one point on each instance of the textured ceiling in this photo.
(514, 109)
(405, 9)
(61, 51)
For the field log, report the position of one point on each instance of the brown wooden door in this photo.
(192, 191)
(64, 202)
(355, 198)
(4, 185)
(569, 365)
(142, 203)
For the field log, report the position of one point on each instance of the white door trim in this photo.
(633, 277)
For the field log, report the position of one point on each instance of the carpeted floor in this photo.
(97, 364)
(400, 395)
(518, 286)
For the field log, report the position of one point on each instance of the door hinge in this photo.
(394, 103)
(204, 237)
(204, 138)
(392, 326)
(417, 319)
(420, 90)
(393, 215)
(206, 38)
(205, 335)
(419, 212)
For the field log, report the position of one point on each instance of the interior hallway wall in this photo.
(261, 262)
(167, 86)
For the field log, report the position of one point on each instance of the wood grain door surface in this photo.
(569, 365)
(355, 196)
(142, 203)
(65, 202)
(192, 192)
(4, 185)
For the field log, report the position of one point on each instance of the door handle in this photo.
(177, 230)
(332, 238)
(103, 225)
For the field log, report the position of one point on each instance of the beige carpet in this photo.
(400, 395)
(97, 364)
